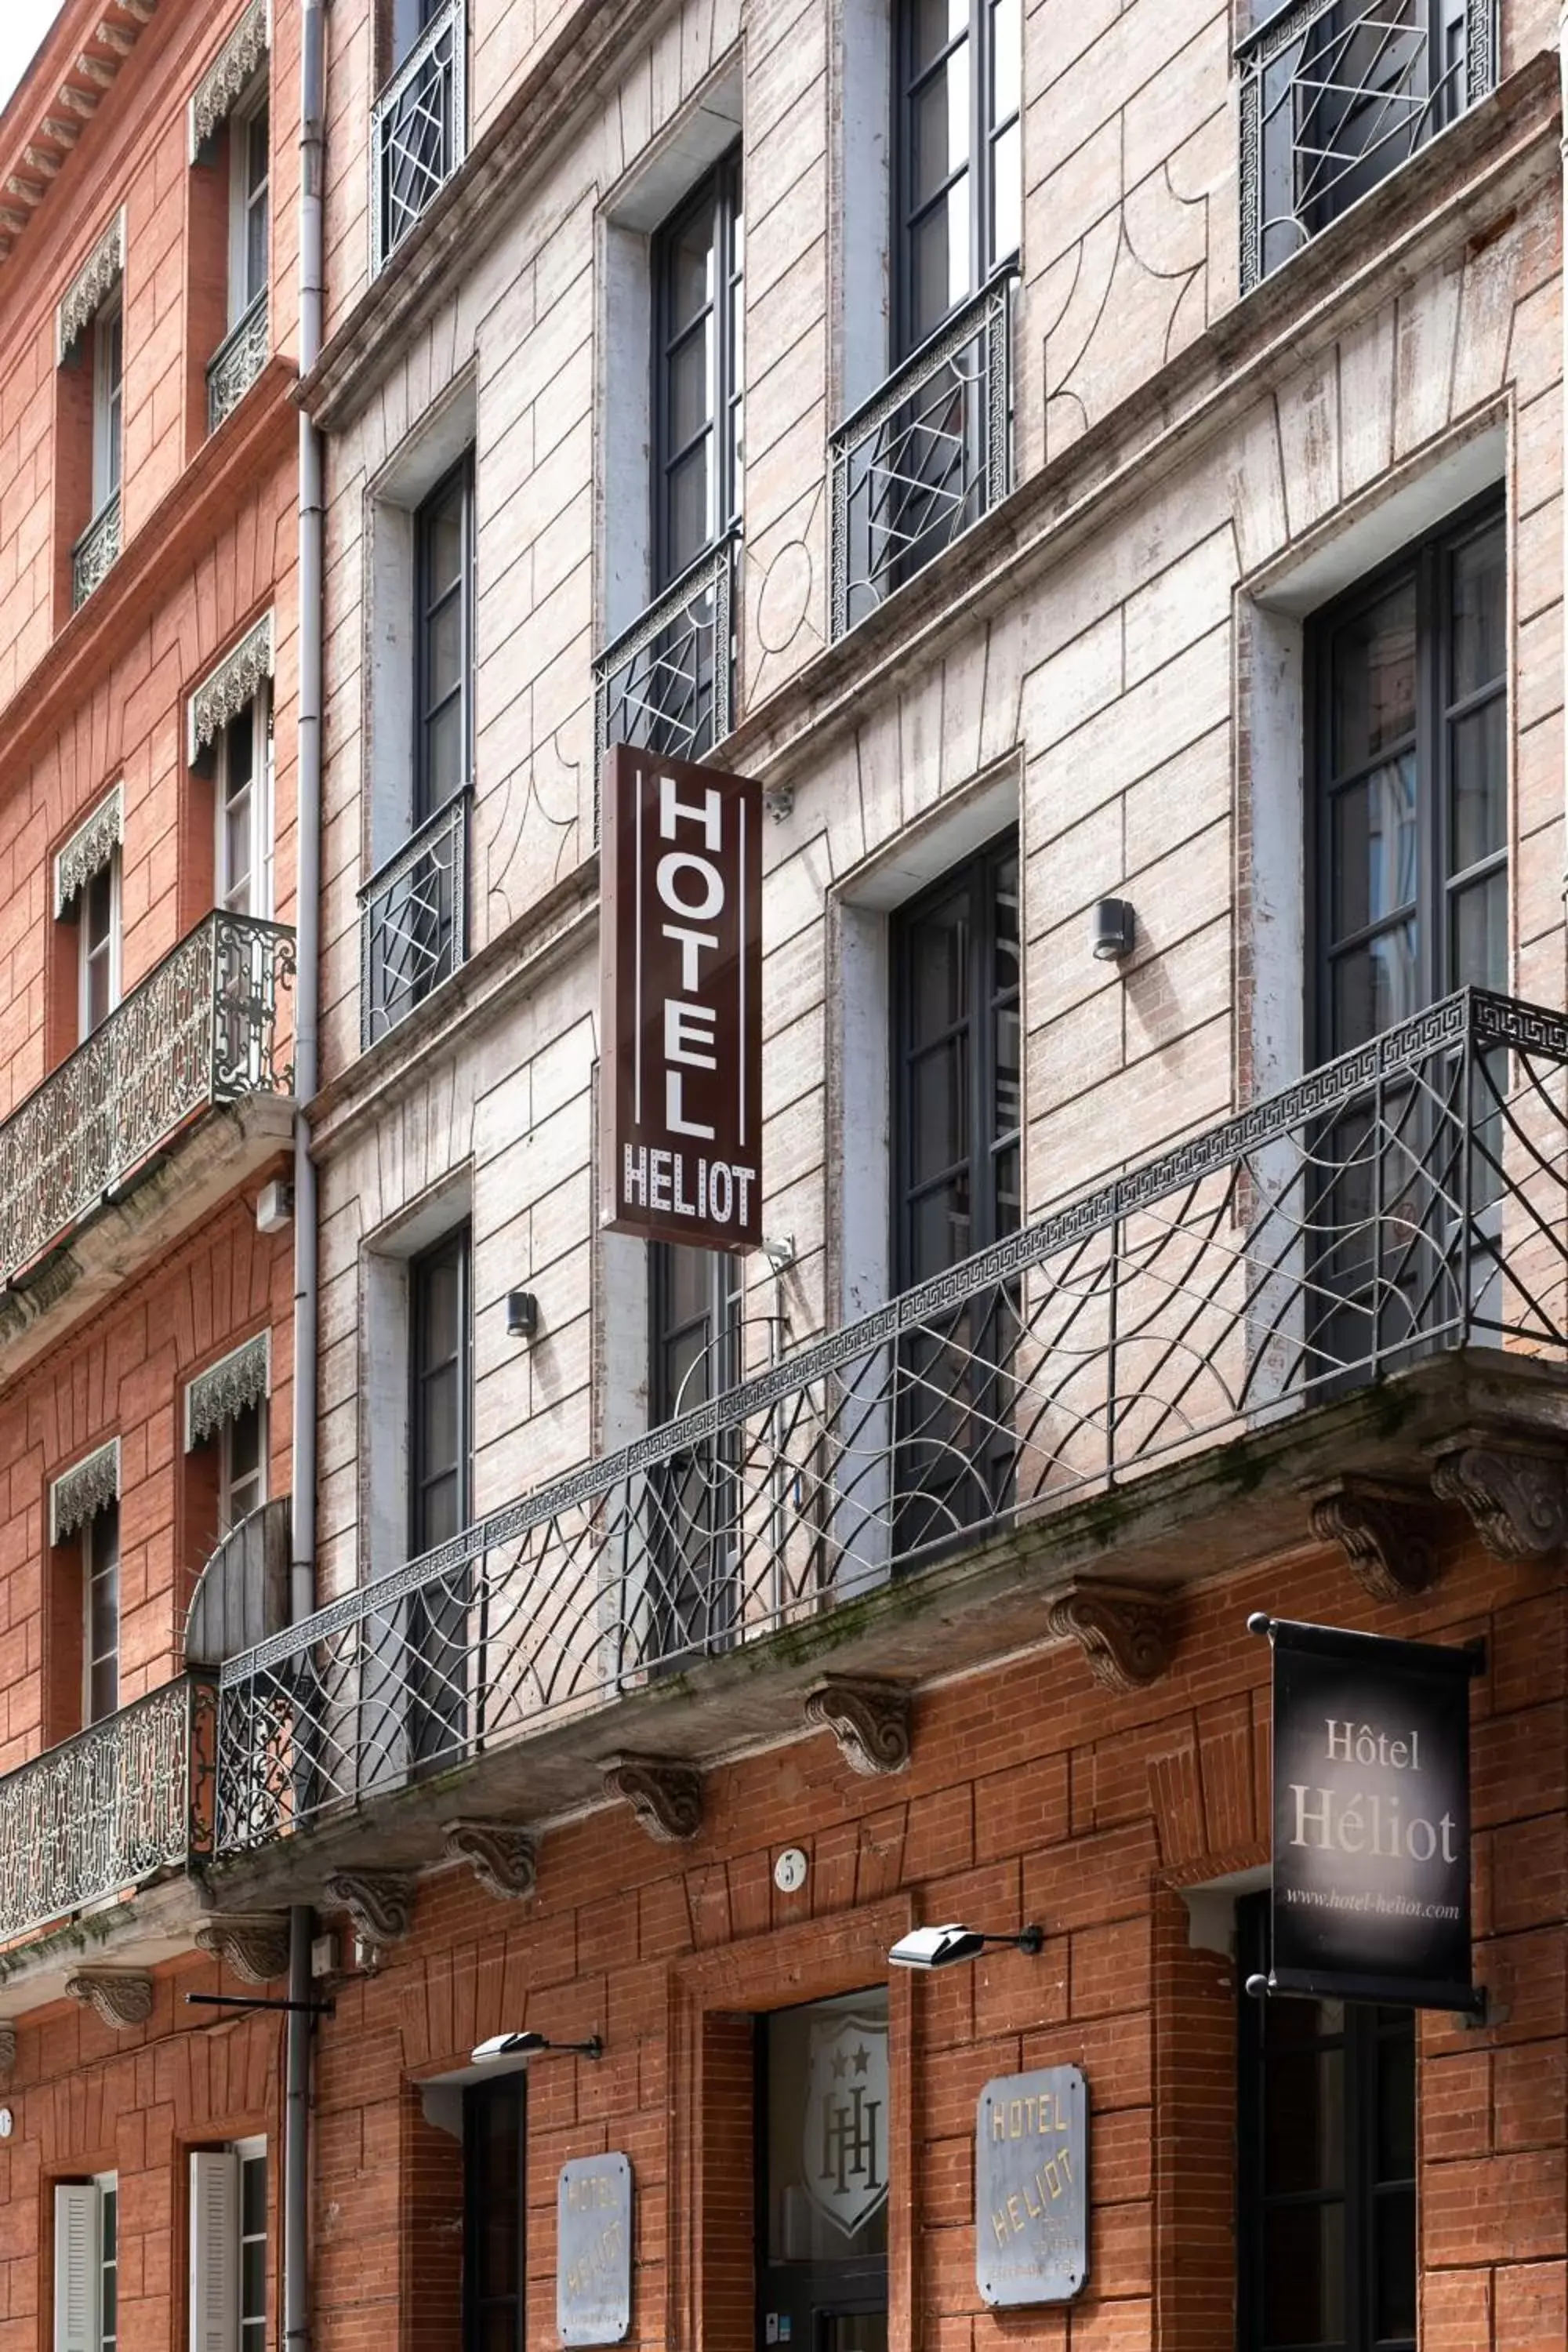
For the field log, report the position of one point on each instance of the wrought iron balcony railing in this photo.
(119, 1803)
(923, 459)
(200, 1030)
(1335, 95)
(418, 131)
(1410, 1197)
(96, 551)
(236, 362)
(414, 921)
(668, 683)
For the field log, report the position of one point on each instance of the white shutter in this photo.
(79, 2265)
(215, 2250)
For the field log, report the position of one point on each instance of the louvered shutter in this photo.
(79, 2265)
(215, 2250)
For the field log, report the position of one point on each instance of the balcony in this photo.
(236, 362)
(923, 459)
(418, 132)
(122, 1803)
(668, 683)
(1335, 95)
(1287, 1294)
(414, 921)
(95, 553)
(201, 1031)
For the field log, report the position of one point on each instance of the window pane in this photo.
(941, 261)
(253, 2276)
(444, 544)
(1374, 847)
(939, 1101)
(1481, 609)
(1007, 60)
(1480, 933)
(1393, 2285)
(253, 2196)
(244, 1454)
(690, 265)
(255, 249)
(940, 1230)
(1397, 2103)
(256, 155)
(690, 508)
(940, 128)
(444, 761)
(1304, 2120)
(1304, 2274)
(691, 387)
(932, 24)
(1480, 783)
(1374, 986)
(825, 2144)
(1374, 679)
(1004, 196)
(938, 963)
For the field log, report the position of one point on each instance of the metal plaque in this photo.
(593, 2250)
(1031, 2186)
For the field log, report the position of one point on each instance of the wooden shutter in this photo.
(215, 2250)
(79, 2265)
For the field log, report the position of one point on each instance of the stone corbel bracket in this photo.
(870, 1720)
(503, 1859)
(1514, 1487)
(1385, 1528)
(666, 1797)
(379, 1902)
(1121, 1629)
(253, 1945)
(121, 1997)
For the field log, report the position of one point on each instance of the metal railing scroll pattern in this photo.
(667, 684)
(414, 921)
(418, 132)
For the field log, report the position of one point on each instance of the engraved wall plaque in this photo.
(594, 2249)
(1031, 2186)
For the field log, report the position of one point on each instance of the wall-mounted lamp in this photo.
(1111, 929)
(522, 1314)
(779, 1251)
(533, 2046)
(939, 1948)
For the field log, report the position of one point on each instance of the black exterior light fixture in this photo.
(940, 1948)
(533, 2046)
(1111, 929)
(522, 1314)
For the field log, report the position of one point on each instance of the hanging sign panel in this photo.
(681, 973)
(594, 2249)
(1372, 1818)
(1031, 2186)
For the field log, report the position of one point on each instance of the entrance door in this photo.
(823, 2103)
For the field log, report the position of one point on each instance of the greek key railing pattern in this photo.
(668, 683)
(1411, 1196)
(116, 1805)
(201, 1029)
(1335, 95)
(236, 362)
(923, 459)
(414, 921)
(96, 551)
(418, 131)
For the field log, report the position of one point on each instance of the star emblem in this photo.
(839, 2062)
(862, 2059)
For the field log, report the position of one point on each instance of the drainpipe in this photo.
(307, 1000)
(1562, 443)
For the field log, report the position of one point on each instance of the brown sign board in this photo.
(681, 972)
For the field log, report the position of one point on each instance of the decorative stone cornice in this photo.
(1121, 1629)
(226, 689)
(503, 1859)
(121, 1997)
(91, 848)
(1515, 1489)
(79, 1493)
(870, 1720)
(228, 75)
(666, 1797)
(379, 1902)
(224, 1391)
(91, 287)
(253, 1945)
(1384, 1529)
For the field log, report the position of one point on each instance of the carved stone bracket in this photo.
(870, 1721)
(502, 1858)
(379, 1902)
(1514, 1488)
(121, 1997)
(1121, 1629)
(666, 1797)
(1384, 1529)
(7, 2049)
(253, 1944)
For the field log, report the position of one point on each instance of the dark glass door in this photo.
(824, 2148)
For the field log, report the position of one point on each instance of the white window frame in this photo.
(85, 950)
(217, 2242)
(108, 404)
(83, 2260)
(229, 1511)
(259, 713)
(243, 200)
(92, 1527)
(248, 2152)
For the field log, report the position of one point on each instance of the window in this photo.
(1326, 2167)
(243, 846)
(495, 2233)
(252, 2155)
(98, 950)
(444, 590)
(698, 262)
(956, 147)
(100, 1589)
(86, 2264)
(228, 2248)
(250, 170)
(108, 356)
(694, 1326)
(440, 1427)
(823, 2097)
(242, 1465)
(418, 124)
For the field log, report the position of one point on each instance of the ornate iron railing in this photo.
(414, 921)
(668, 683)
(96, 551)
(1335, 95)
(418, 131)
(201, 1029)
(923, 459)
(1411, 1196)
(101, 1812)
(236, 362)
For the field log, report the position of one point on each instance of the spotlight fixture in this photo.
(939, 1948)
(522, 1314)
(533, 2046)
(1111, 929)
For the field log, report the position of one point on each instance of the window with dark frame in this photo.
(695, 1298)
(495, 2239)
(108, 400)
(957, 156)
(100, 1588)
(252, 2164)
(697, 265)
(250, 164)
(1325, 2167)
(443, 686)
(440, 1428)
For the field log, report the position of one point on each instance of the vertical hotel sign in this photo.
(1372, 1818)
(681, 967)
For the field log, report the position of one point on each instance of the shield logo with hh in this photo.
(844, 2159)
